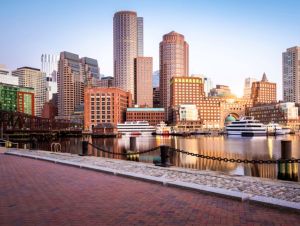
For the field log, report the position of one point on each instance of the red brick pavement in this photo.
(34, 192)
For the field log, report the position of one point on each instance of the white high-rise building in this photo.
(49, 66)
(6, 77)
(247, 87)
(291, 75)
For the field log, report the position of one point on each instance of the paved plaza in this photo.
(34, 192)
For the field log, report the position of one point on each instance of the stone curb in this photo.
(241, 196)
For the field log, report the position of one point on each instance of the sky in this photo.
(229, 40)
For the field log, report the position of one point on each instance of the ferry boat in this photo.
(135, 128)
(276, 129)
(163, 129)
(246, 126)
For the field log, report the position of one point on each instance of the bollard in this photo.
(287, 171)
(164, 156)
(286, 149)
(132, 144)
(84, 150)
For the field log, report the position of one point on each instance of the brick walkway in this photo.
(35, 192)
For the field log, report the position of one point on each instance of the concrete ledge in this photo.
(241, 196)
(275, 202)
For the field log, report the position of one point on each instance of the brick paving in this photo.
(34, 192)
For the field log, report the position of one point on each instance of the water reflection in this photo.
(220, 146)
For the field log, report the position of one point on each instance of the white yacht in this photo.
(276, 129)
(246, 126)
(163, 129)
(135, 128)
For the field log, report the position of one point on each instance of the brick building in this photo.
(153, 115)
(282, 113)
(263, 92)
(105, 105)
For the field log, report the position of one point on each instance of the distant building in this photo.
(17, 99)
(174, 62)
(50, 110)
(220, 91)
(210, 112)
(291, 74)
(105, 105)
(263, 92)
(247, 87)
(90, 71)
(34, 78)
(156, 97)
(208, 84)
(6, 77)
(155, 79)
(140, 36)
(143, 81)
(152, 115)
(49, 66)
(283, 113)
(106, 82)
(70, 84)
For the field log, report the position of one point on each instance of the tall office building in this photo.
(140, 36)
(34, 78)
(128, 43)
(247, 87)
(49, 66)
(143, 81)
(90, 71)
(291, 75)
(174, 62)
(70, 84)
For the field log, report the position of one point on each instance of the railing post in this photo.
(84, 149)
(287, 171)
(164, 156)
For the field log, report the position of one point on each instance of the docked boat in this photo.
(246, 126)
(163, 129)
(276, 129)
(135, 128)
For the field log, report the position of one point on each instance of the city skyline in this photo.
(228, 41)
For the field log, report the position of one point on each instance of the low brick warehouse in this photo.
(34, 192)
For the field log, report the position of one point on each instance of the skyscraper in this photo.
(90, 71)
(70, 84)
(34, 78)
(291, 75)
(128, 39)
(140, 36)
(143, 81)
(174, 62)
(6, 77)
(247, 87)
(49, 66)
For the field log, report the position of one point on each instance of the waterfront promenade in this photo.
(35, 192)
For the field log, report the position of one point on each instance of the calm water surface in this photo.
(218, 146)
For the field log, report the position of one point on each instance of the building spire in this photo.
(264, 78)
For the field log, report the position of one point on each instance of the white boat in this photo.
(276, 129)
(163, 129)
(135, 128)
(246, 126)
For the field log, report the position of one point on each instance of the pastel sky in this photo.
(229, 39)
